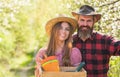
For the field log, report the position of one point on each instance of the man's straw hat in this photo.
(87, 10)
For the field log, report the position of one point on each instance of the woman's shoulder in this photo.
(75, 49)
(41, 51)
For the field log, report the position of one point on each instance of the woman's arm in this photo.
(75, 56)
(38, 58)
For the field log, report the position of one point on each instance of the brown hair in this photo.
(52, 45)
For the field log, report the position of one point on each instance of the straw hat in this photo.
(54, 21)
(87, 10)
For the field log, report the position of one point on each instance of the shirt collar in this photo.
(93, 35)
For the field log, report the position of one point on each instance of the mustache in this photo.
(84, 26)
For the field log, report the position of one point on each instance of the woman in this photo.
(60, 30)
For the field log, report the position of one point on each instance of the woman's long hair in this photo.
(52, 45)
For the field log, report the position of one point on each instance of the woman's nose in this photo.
(63, 30)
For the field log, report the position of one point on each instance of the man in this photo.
(96, 48)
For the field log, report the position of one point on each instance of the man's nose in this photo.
(85, 23)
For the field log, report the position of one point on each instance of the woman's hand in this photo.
(38, 71)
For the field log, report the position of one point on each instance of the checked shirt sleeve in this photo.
(113, 46)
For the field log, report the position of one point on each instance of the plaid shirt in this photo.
(96, 52)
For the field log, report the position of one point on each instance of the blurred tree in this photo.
(22, 29)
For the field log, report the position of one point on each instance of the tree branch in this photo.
(110, 3)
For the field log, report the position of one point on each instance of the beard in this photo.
(85, 33)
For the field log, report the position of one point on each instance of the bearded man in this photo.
(96, 48)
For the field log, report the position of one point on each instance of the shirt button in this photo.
(84, 52)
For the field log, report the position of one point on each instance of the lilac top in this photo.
(75, 56)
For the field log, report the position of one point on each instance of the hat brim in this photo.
(97, 16)
(53, 21)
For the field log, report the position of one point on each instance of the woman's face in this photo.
(64, 31)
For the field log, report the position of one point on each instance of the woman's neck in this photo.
(60, 46)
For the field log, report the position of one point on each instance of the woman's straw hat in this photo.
(54, 21)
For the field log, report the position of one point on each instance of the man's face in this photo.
(85, 26)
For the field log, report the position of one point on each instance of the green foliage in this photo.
(22, 30)
(114, 67)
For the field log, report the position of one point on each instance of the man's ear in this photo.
(94, 19)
